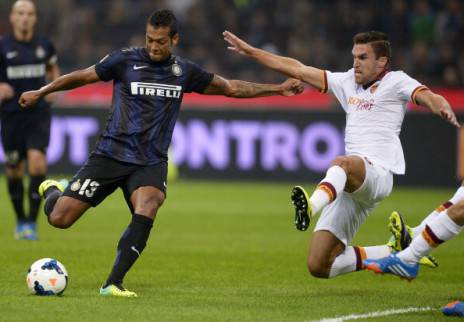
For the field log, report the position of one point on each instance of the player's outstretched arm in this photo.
(72, 80)
(438, 104)
(288, 66)
(242, 89)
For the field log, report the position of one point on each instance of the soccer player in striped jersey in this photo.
(374, 99)
(27, 61)
(148, 86)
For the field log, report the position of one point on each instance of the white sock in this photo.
(458, 196)
(328, 189)
(351, 259)
(418, 229)
(436, 231)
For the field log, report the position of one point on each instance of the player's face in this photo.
(23, 16)
(366, 65)
(159, 43)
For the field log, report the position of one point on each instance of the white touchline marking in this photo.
(376, 314)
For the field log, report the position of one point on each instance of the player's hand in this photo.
(6, 91)
(237, 44)
(448, 115)
(29, 98)
(292, 87)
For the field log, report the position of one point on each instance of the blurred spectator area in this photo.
(426, 35)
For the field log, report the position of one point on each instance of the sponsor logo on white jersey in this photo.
(25, 71)
(154, 89)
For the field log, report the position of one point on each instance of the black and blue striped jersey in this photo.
(146, 101)
(23, 65)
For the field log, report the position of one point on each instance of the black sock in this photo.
(16, 191)
(34, 198)
(51, 197)
(130, 246)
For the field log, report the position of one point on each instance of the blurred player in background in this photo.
(27, 61)
(374, 99)
(441, 225)
(148, 86)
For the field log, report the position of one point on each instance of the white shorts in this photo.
(347, 212)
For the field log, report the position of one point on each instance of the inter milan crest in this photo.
(40, 52)
(176, 70)
(76, 185)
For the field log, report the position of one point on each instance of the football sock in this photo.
(457, 197)
(130, 247)
(351, 259)
(328, 189)
(436, 231)
(34, 198)
(51, 197)
(16, 191)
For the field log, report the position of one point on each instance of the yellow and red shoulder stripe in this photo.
(417, 90)
(324, 82)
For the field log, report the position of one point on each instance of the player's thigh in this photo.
(13, 140)
(377, 185)
(96, 179)
(343, 218)
(145, 188)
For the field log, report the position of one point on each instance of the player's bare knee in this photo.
(318, 269)
(59, 219)
(150, 204)
(342, 161)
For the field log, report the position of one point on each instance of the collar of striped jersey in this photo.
(378, 78)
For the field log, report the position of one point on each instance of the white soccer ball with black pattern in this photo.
(47, 276)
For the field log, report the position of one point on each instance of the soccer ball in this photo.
(47, 276)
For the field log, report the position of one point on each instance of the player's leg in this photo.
(458, 196)
(436, 231)
(14, 175)
(37, 137)
(37, 168)
(402, 234)
(14, 147)
(347, 173)
(342, 218)
(62, 211)
(96, 179)
(145, 189)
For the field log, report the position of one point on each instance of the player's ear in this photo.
(383, 61)
(175, 39)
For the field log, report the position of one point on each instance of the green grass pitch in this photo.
(219, 251)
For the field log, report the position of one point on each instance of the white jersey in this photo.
(374, 115)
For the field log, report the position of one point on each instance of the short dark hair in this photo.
(378, 40)
(164, 18)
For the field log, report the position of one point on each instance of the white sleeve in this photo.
(408, 87)
(336, 83)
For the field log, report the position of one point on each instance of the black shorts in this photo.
(24, 130)
(100, 176)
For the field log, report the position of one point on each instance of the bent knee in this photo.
(341, 161)
(318, 269)
(60, 220)
(151, 204)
